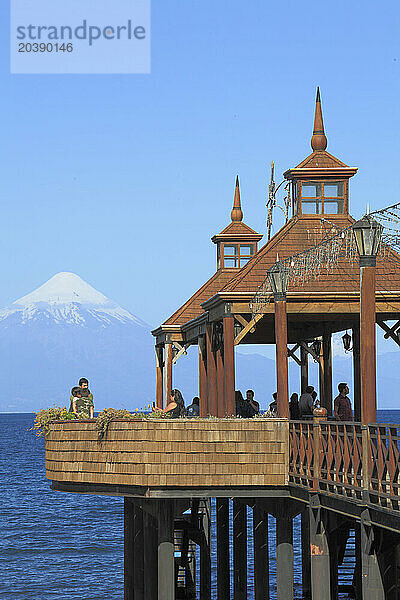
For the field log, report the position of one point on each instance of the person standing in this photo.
(86, 404)
(294, 411)
(253, 403)
(306, 402)
(342, 405)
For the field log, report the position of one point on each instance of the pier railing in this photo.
(347, 459)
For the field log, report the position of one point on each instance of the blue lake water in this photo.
(60, 546)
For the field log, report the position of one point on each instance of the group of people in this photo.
(81, 403)
(245, 407)
(303, 407)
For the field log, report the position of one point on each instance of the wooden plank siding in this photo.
(182, 453)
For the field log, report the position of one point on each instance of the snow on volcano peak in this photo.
(67, 298)
(64, 288)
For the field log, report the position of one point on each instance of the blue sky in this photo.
(123, 179)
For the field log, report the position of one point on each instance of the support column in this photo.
(305, 554)
(211, 374)
(229, 363)
(284, 556)
(203, 377)
(356, 373)
(223, 576)
(166, 567)
(205, 553)
(372, 584)
(304, 369)
(260, 551)
(129, 549)
(367, 344)
(159, 377)
(281, 356)
(239, 551)
(150, 556)
(220, 382)
(320, 564)
(325, 372)
(168, 372)
(138, 563)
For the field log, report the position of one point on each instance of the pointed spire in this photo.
(318, 140)
(237, 213)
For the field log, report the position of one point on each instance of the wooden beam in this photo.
(246, 329)
(181, 350)
(291, 353)
(159, 378)
(390, 331)
(244, 322)
(229, 368)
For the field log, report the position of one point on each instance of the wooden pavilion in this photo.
(220, 316)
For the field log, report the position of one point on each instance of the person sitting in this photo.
(175, 407)
(253, 403)
(273, 407)
(82, 402)
(193, 410)
(306, 403)
(315, 399)
(294, 411)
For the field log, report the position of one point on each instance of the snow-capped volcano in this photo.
(68, 299)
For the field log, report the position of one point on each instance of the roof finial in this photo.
(237, 213)
(318, 140)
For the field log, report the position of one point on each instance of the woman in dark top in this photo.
(175, 407)
(294, 410)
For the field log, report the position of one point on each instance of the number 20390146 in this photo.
(44, 47)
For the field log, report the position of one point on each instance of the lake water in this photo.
(60, 546)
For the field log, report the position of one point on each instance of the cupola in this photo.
(237, 243)
(321, 181)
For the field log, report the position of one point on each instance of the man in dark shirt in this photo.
(342, 406)
(306, 402)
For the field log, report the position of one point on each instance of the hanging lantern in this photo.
(367, 234)
(346, 339)
(316, 347)
(278, 276)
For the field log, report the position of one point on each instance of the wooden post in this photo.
(223, 578)
(205, 553)
(166, 567)
(304, 369)
(203, 377)
(320, 563)
(129, 549)
(305, 554)
(159, 377)
(138, 563)
(219, 361)
(168, 372)
(281, 358)
(325, 372)
(356, 373)
(239, 551)
(211, 374)
(367, 345)
(284, 556)
(371, 577)
(260, 551)
(150, 556)
(229, 364)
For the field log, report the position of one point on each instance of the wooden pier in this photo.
(340, 477)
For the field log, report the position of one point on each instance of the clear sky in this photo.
(123, 179)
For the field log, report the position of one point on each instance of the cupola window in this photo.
(236, 255)
(322, 197)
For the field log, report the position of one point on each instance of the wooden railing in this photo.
(346, 459)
